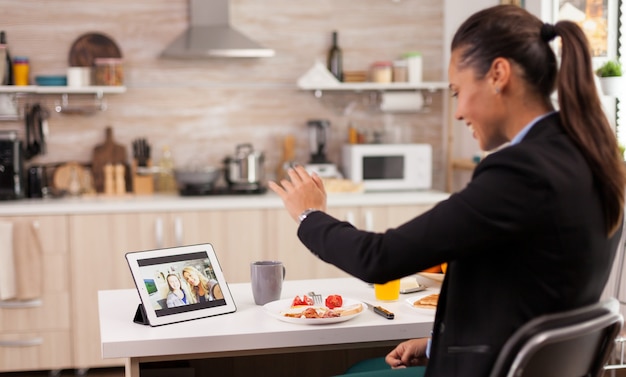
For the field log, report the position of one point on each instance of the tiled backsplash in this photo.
(204, 108)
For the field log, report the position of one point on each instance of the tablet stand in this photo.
(140, 316)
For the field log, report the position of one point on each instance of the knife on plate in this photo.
(381, 311)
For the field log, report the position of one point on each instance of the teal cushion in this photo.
(369, 365)
(378, 367)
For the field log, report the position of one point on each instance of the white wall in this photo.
(464, 146)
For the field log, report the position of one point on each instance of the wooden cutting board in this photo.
(108, 152)
(289, 153)
(91, 46)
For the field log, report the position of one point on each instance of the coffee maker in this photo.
(318, 141)
(11, 166)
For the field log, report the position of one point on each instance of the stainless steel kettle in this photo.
(244, 170)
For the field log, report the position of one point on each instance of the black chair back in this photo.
(576, 343)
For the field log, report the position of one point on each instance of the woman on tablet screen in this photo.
(202, 288)
(176, 295)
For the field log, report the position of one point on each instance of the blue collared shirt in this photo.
(520, 135)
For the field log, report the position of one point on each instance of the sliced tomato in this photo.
(304, 301)
(334, 301)
(307, 299)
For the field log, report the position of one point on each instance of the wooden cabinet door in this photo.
(398, 215)
(238, 237)
(34, 334)
(372, 219)
(283, 245)
(98, 245)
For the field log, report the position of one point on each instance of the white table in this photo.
(251, 331)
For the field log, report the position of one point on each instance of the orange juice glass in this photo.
(389, 291)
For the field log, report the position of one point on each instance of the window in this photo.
(621, 53)
(603, 23)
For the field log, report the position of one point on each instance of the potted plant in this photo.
(610, 74)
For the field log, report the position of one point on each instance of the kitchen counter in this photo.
(155, 203)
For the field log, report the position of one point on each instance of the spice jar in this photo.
(21, 70)
(108, 72)
(381, 72)
(400, 71)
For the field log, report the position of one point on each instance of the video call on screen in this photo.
(155, 270)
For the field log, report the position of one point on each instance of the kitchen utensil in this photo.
(141, 152)
(108, 152)
(381, 311)
(288, 160)
(244, 170)
(198, 176)
(431, 275)
(3, 63)
(37, 182)
(266, 278)
(53, 80)
(69, 177)
(90, 46)
(317, 298)
(36, 130)
(409, 284)
(318, 130)
(318, 142)
(279, 308)
(11, 166)
(78, 76)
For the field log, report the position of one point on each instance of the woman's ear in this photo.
(499, 74)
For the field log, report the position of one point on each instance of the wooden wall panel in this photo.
(203, 108)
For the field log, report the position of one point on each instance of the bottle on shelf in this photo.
(414, 66)
(335, 59)
(166, 182)
(21, 71)
(8, 67)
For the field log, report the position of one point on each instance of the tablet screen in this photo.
(179, 284)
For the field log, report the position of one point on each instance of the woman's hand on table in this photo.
(408, 354)
(301, 192)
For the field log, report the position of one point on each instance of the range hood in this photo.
(211, 36)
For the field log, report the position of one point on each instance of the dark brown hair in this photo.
(511, 32)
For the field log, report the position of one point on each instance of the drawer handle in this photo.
(21, 343)
(20, 304)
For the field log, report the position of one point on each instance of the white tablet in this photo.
(180, 284)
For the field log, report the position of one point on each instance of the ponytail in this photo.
(584, 120)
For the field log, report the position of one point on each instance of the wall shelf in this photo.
(10, 108)
(62, 89)
(318, 78)
(372, 86)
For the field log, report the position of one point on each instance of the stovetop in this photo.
(194, 190)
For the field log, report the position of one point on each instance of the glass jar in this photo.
(108, 72)
(400, 71)
(381, 72)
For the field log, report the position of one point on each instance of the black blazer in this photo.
(526, 237)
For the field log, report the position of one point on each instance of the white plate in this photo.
(416, 297)
(433, 276)
(277, 309)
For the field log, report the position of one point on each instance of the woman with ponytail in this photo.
(536, 229)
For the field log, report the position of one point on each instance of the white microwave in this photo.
(388, 167)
